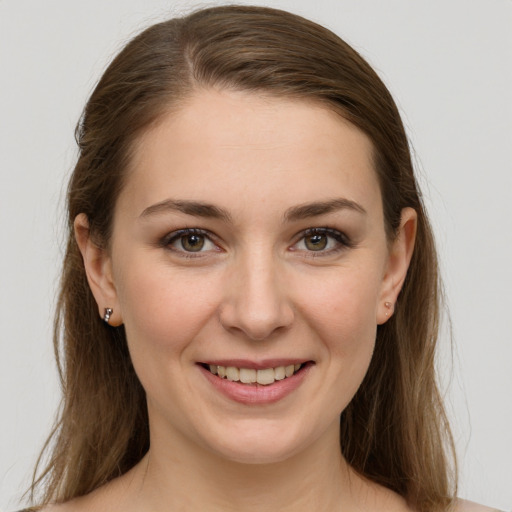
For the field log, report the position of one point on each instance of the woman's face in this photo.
(249, 239)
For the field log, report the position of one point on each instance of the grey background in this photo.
(448, 64)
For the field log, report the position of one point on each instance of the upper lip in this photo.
(256, 365)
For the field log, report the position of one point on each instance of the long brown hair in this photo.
(394, 431)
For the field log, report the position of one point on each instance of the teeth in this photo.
(250, 376)
(247, 376)
(232, 373)
(266, 376)
(279, 373)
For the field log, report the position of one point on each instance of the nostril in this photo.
(257, 324)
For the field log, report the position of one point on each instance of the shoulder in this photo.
(459, 506)
(109, 497)
(470, 506)
(69, 506)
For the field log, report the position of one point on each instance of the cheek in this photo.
(342, 308)
(342, 315)
(345, 324)
(163, 311)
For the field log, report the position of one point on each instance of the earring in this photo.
(107, 315)
(388, 304)
(389, 307)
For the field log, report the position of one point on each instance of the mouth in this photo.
(256, 383)
(253, 376)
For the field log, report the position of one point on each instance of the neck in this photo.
(175, 477)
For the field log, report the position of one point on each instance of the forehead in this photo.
(232, 144)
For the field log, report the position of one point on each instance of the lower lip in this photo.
(256, 394)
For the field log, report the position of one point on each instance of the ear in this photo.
(98, 268)
(400, 255)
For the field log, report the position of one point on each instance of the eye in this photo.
(322, 240)
(316, 241)
(190, 241)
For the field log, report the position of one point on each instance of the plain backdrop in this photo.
(448, 64)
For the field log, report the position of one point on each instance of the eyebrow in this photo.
(321, 208)
(206, 210)
(195, 208)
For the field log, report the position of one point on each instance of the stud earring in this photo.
(389, 307)
(107, 315)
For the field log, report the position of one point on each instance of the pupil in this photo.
(193, 242)
(316, 242)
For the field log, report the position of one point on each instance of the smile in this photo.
(256, 383)
(264, 377)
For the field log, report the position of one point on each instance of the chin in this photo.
(261, 443)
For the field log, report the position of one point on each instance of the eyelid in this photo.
(342, 240)
(168, 239)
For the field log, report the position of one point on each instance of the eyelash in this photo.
(175, 236)
(341, 239)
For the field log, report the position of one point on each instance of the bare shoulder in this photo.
(111, 497)
(471, 506)
(61, 507)
(82, 504)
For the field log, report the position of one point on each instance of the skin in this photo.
(256, 290)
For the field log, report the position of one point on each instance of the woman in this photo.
(249, 301)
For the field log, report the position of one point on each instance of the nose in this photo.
(255, 299)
